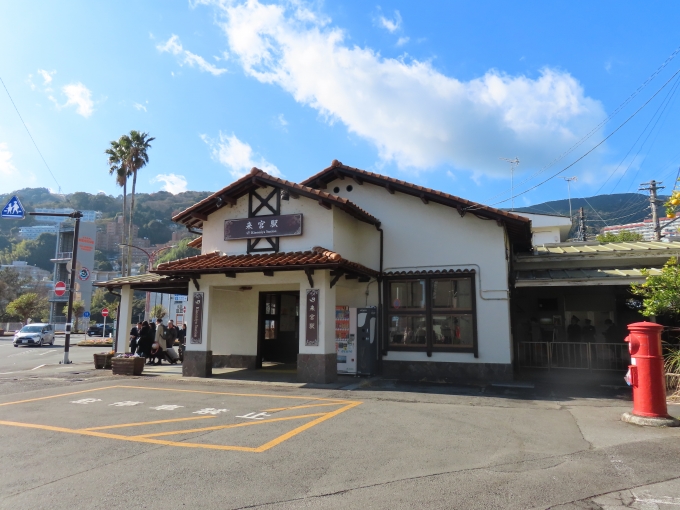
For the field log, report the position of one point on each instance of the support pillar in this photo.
(318, 363)
(122, 340)
(198, 354)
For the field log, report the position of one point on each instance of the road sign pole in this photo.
(104, 328)
(71, 288)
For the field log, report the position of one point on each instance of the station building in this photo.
(278, 258)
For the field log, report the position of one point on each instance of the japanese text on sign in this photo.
(312, 329)
(263, 226)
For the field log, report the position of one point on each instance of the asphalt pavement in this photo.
(87, 439)
(14, 360)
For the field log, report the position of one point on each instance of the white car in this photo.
(34, 334)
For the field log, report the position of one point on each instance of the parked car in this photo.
(98, 329)
(34, 334)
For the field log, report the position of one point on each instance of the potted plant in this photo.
(103, 359)
(127, 364)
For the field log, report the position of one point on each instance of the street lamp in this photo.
(151, 256)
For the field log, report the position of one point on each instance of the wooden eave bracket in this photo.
(460, 210)
(339, 175)
(325, 204)
(309, 272)
(357, 179)
(293, 194)
(423, 199)
(230, 274)
(268, 273)
(389, 189)
(337, 277)
(199, 216)
(198, 287)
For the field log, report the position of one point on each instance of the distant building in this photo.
(178, 235)
(646, 228)
(89, 216)
(25, 271)
(34, 232)
(112, 234)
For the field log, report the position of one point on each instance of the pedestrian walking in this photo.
(171, 335)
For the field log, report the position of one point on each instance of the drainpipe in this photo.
(380, 303)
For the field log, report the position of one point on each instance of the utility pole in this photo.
(569, 181)
(582, 234)
(653, 187)
(513, 165)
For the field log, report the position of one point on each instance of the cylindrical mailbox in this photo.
(646, 370)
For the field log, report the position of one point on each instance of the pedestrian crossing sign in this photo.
(13, 209)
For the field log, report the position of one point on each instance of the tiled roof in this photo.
(608, 248)
(253, 180)
(196, 243)
(538, 277)
(148, 280)
(518, 226)
(317, 258)
(429, 272)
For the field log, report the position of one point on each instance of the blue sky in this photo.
(430, 92)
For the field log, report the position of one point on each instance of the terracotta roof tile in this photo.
(242, 186)
(217, 263)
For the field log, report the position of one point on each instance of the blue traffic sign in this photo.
(14, 209)
(86, 315)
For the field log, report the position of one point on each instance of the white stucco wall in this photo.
(420, 236)
(356, 240)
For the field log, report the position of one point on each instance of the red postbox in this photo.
(646, 370)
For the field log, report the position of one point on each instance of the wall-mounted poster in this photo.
(197, 319)
(312, 329)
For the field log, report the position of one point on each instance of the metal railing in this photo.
(573, 355)
(62, 255)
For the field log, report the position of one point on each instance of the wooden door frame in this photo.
(262, 304)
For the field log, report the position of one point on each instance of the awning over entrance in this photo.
(229, 265)
(579, 277)
(150, 282)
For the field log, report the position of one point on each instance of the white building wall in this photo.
(420, 236)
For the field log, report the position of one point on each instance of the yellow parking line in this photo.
(147, 423)
(294, 432)
(304, 407)
(55, 396)
(128, 438)
(231, 426)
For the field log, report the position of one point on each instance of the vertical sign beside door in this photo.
(197, 319)
(312, 319)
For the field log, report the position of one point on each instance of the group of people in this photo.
(586, 333)
(156, 341)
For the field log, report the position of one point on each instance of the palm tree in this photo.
(117, 154)
(136, 158)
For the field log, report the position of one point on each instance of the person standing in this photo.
(588, 331)
(182, 335)
(157, 347)
(170, 337)
(145, 341)
(134, 336)
(574, 330)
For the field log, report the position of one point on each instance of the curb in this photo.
(649, 421)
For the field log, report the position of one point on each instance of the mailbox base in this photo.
(650, 422)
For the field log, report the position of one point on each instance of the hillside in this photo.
(600, 210)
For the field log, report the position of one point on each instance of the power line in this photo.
(593, 148)
(30, 135)
(601, 124)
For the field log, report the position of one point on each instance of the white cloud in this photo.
(414, 115)
(7, 168)
(171, 182)
(282, 120)
(403, 40)
(238, 156)
(46, 76)
(174, 46)
(77, 95)
(391, 25)
(139, 106)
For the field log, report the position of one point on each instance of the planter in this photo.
(102, 360)
(128, 366)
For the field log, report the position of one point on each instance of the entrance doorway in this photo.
(279, 328)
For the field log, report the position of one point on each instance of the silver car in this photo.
(34, 334)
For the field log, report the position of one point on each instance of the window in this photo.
(431, 314)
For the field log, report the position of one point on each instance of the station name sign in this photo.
(263, 226)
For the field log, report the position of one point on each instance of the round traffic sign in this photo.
(86, 315)
(105, 312)
(59, 288)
